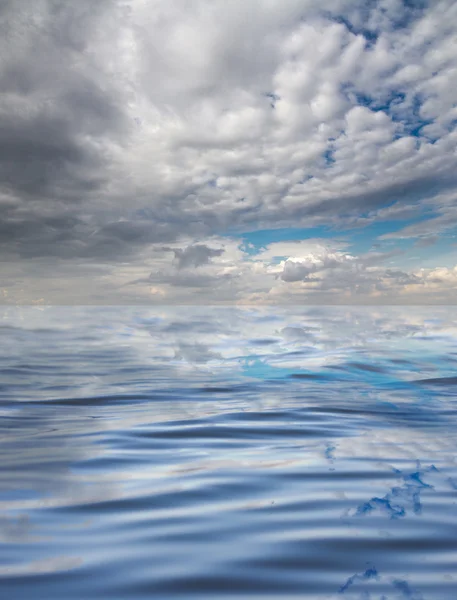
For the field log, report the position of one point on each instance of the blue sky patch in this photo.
(359, 240)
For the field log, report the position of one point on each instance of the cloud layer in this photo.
(140, 139)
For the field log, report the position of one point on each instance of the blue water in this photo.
(228, 453)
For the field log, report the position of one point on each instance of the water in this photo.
(228, 453)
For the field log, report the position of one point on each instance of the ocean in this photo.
(215, 452)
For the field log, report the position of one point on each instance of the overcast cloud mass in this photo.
(250, 151)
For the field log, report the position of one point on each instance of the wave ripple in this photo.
(225, 456)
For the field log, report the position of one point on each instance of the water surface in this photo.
(228, 453)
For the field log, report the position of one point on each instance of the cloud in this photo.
(301, 270)
(127, 127)
(196, 255)
(426, 242)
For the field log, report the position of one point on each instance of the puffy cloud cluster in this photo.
(303, 269)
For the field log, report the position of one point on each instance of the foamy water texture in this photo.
(228, 453)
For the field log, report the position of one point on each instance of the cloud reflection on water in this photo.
(258, 436)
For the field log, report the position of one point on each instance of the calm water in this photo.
(228, 453)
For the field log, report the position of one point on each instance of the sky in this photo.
(243, 152)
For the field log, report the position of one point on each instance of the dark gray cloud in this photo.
(58, 116)
(196, 255)
(353, 207)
